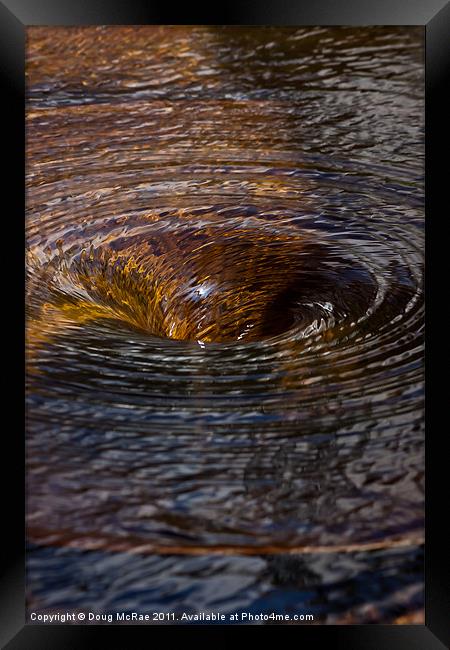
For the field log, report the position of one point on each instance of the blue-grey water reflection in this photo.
(225, 319)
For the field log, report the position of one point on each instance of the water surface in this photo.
(225, 318)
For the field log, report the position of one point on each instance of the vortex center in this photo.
(200, 285)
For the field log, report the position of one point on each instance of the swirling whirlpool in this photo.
(225, 324)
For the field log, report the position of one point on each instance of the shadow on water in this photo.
(334, 588)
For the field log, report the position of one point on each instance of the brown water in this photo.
(225, 319)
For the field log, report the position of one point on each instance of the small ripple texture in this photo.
(225, 250)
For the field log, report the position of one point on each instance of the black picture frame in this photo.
(15, 17)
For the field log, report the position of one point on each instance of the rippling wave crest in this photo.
(225, 296)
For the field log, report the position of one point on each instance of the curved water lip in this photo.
(225, 290)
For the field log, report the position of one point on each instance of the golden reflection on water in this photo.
(224, 290)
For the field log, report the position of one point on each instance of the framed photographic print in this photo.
(224, 320)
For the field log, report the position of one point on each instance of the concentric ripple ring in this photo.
(225, 296)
